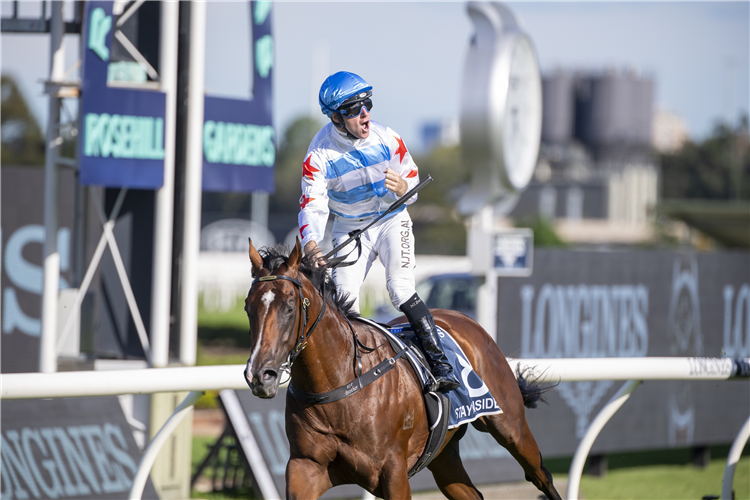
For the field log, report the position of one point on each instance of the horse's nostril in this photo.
(269, 376)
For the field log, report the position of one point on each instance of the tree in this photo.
(717, 168)
(544, 231)
(289, 159)
(283, 204)
(22, 139)
(438, 228)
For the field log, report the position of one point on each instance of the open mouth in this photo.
(365, 126)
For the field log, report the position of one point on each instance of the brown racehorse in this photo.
(368, 438)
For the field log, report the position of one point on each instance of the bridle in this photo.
(303, 336)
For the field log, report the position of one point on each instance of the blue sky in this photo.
(413, 53)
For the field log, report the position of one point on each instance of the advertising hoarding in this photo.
(68, 448)
(239, 141)
(22, 249)
(122, 139)
(632, 303)
(122, 130)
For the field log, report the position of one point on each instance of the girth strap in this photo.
(352, 387)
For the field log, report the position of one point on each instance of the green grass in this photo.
(237, 357)
(201, 447)
(222, 340)
(223, 328)
(666, 482)
(234, 318)
(659, 475)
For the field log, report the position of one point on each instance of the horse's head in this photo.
(273, 307)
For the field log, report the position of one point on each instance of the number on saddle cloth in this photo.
(472, 399)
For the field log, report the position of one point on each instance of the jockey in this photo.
(356, 168)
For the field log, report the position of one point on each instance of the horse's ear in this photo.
(255, 258)
(295, 258)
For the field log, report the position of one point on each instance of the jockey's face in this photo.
(358, 126)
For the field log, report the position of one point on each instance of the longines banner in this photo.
(68, 448)
(634, 303)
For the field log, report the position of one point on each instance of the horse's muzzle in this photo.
(264, 384)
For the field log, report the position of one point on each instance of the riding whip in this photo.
(355, 235)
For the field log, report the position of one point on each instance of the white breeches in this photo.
(392, 241)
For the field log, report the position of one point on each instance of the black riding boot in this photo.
(424, 326)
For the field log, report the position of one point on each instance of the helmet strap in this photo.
(342, 126)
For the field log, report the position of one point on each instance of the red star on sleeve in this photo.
(305, 201)
(401, 149)
(411, 174)
(301, 230)
(308, 169)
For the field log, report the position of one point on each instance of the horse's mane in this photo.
(273, 257)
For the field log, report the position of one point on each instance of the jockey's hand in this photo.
(311, 248)
(394, 182)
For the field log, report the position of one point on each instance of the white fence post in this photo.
(579, 459)
(732, 459)
(153, 448)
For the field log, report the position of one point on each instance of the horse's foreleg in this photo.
(394, 480)
(519, 441)
(450, 475)
(306, 479)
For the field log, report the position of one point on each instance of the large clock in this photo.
(501, 113)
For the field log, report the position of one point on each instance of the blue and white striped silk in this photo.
(347, 177)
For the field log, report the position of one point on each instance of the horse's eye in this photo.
(289, 303)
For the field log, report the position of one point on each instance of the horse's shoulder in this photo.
(309, 419)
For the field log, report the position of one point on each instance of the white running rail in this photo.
(202, 378)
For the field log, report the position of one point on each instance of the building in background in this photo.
(440, 133)
(669, 131)
(597, 175)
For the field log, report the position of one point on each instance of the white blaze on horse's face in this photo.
(266, 299)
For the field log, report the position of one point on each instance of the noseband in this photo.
(303, 335)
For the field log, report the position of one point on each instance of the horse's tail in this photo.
(531, 390)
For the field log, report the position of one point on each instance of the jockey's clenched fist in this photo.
(394, 182)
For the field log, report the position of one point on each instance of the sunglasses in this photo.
(355, 108)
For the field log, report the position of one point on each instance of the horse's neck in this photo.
(326, 361)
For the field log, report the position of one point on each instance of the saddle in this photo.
(437, 405)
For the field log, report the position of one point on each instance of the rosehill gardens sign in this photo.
(122, 140)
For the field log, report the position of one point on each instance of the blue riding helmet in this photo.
(339, 87)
